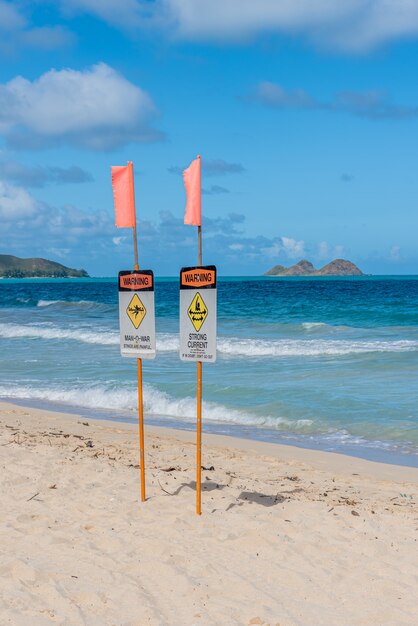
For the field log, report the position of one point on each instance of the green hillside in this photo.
(14, 267)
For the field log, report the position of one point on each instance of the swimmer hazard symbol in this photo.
(198, 314)
(197, 311)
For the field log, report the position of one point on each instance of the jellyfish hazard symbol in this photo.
(137, 313)
(198, 314)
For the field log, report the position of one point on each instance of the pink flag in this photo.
(123, 194)
(192, 182)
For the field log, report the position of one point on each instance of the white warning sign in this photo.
(198, 314)
(137, 314)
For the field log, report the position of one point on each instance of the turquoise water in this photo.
(322, 363)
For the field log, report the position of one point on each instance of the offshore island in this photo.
(338, 267)
(15, 267)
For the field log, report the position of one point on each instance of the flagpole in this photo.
(132, 191)
(139, 361)
(199, 405)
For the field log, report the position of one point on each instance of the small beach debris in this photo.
(292, 478)
(89, 444)
(347, 501)
(355, 513)
(34, 496)
(171, 469)
(208, 469)
(54, 486)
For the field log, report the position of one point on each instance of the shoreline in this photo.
(245, 433)
(285, 534)
(319, 459)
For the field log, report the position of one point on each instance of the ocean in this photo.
(326, 363)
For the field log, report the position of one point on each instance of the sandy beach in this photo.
(287, 536)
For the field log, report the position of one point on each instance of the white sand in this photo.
(287, 536)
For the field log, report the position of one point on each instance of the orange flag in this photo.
(124, 196)
(192, 182)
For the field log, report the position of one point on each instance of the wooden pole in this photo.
(131, 177)
(141, 431)
(139, 361)
(199, 245)
(135, 249)
(199, 405)
(199, 441)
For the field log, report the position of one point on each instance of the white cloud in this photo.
(97, 108)
(273, 250)
(371, 104)
(39, 176)
(127, 14)
(10, 18)
(351, 26)
(16, 31)
(328, 251)
(47, 37)
(15, 203)
(118, 240)
(293, 248)
(61, 253)
(323, 250)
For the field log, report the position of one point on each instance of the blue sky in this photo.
(305, 114)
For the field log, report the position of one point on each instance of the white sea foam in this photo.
(167, 342)
(156, 402)
(313, 325)
(309, 347)
(159, 403)
(13, 331)
(227, 346)
(46, 302)
(73, 303)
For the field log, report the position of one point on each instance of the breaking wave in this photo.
(227, 346)
(12, 331)
(309, 347)
(156, 402)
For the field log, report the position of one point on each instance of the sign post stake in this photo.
(199, 404)
(140, 401)
(196, 309)
(137, 335)
(141, 431)
(199, 441)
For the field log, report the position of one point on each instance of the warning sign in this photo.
(136, 311)
(197, 311)
(198, 314)
(137, 314)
